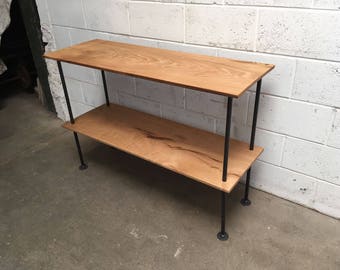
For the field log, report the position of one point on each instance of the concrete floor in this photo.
(124, 213)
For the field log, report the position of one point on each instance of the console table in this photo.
(211, 159)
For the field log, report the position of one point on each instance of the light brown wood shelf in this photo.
(192, 152)
(205, 73)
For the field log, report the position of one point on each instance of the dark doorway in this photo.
(21, 50)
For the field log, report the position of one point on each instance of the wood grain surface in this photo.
(205, 73)
(192, 152)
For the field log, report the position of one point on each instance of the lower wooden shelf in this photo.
(192, 152)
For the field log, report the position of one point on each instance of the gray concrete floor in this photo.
(124, 213)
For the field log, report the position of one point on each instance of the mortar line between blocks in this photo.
(313, 3)
(245, 120)
(308, 8)
(301, 173)
(296, 138)
(293, 80)
(257, 19)
(83, 13)
(282, 149)
(316, 191)
(128, 17)
(184, 98)
(298, 100)
(69, 36)
(329, 130)
(201, 45)
(215, 125)
(82, 92)
(184, 23)
(161, 110)
(48, 13)
(134, 85)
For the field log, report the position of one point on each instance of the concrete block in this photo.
(98, 77)
(139, 104)
(79, 109)
(313, 159)
(284, 183)
(216, 105)
(43, 11)
(193, 119)
(295, 118)
(207, 103)
(271, 142)
(327, 199)
(61, 37)
(228, 27)
(80, 35)
(107, 15)
(317, 81)
(79, 73)
(327, 4)
(156, 20)
(299, 32)
(161, 92)
(93, 94)
(273, 3)
(66, 13)
(277, 82)
(181, 47)
(120, 83)
(113, 97)
(74, 90)
(334, 136)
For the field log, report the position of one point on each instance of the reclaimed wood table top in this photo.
(205, 73)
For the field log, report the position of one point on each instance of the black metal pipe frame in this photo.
(245, 200)
(68, 103)
(83, 165)
(105, 88)
(226, 139)
(256, 109)
(223, 235)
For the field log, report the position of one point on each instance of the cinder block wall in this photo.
(299, 117)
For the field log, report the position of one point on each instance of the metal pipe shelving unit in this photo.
(225, 160)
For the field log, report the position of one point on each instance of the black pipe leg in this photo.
(223, 235)
(105, 88)
(245, 201)
(83, 165)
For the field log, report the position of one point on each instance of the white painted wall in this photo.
(299, 117)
